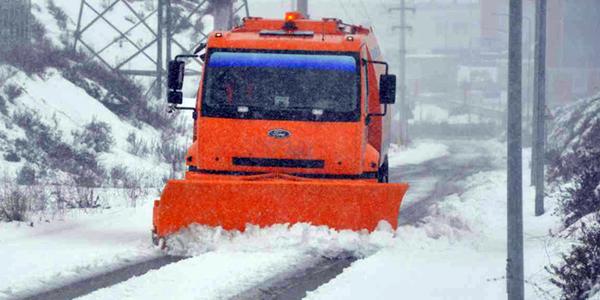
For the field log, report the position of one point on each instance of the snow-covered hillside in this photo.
(66, 120)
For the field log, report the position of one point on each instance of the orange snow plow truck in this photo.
(290, 125)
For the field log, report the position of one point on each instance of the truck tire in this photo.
(383, 172)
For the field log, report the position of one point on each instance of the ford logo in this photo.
(279, 133)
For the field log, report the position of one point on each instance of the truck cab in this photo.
(304, 98)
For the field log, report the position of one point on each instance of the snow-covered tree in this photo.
(575, 162)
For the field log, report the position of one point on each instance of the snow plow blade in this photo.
(232, 204)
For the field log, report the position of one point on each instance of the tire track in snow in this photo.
(430, 182)
(110, 278)
(295, 284)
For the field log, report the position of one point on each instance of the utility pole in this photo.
(539, 106)
(402, 106)
(302, 6)
(159, 49)
(514, 267)
(223, 18)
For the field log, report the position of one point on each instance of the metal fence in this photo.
(161, 22)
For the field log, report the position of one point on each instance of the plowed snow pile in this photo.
(314, 240)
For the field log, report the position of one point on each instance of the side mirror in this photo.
(176, 73)
(175, 83)
(387, 89)
(175, 97)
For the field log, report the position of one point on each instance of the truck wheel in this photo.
(158, 242)
(155, 238)
(383, 172)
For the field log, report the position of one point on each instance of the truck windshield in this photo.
(281, 86)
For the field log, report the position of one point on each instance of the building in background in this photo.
(448, 65)
(445, 34)
(444, 27)
(572, 36)
(573, 45)
(15, 20)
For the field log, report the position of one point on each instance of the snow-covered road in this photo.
(451, 244)
(439, 176)
(456, 249)
(213, 275)
(81, 244)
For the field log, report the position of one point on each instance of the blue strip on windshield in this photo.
(278, 60)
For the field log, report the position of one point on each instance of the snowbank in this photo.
(417, 153)
(85, 243)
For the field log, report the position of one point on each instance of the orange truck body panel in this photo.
(341, 193)
(223, 139)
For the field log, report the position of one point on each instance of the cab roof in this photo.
(294, 32)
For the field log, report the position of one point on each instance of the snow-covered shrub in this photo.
(12, 156)
(26, 176)
(579, 272)
(131, 182)
(44, 146)
(95, 135)
(85, 198)
(61, 20)
(574, 161)
(3, 109)
(118, 175)
(133, 187)
(574, 157)
(12, 91)
(59, 15)
(136, 145)
(173, 154)
(86, 169)
(39, 137)
(172, 150)
(14, 203)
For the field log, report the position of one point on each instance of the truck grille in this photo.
(282, 163)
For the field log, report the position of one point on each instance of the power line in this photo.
(402, 107)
